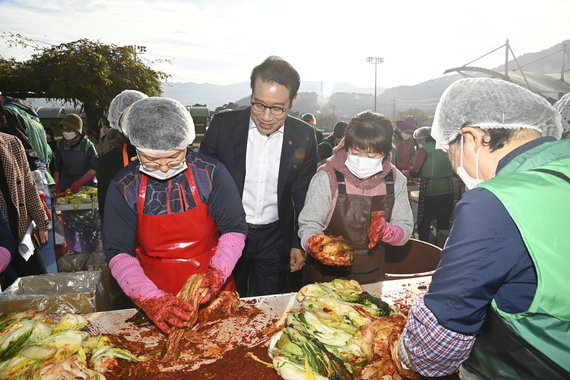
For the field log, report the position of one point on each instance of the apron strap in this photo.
(340, 180)
(125, 155)
(389, 179)
(193, 189)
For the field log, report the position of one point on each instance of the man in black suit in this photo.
(272, 158)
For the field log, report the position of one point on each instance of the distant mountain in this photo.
(425, 96)
(214, 95)
(344, 100)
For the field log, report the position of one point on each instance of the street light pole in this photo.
(375, 61)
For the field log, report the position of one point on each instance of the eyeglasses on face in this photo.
(153, 165)
(275, 110)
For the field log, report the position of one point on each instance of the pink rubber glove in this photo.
(56, 186)
(228, 251)
(380, 230)
(393, 235)
(5, 258)
(87, 177)
(161, 307)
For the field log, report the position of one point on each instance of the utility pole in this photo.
(333, 115)
(375, 61)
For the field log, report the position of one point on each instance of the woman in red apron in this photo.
(171, 214)
(354, 184)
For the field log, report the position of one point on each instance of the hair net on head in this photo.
(563, 106)
(159, 125)
(491, 104)
(422, 133)
(120, 103)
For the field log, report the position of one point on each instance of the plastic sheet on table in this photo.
(57, 294)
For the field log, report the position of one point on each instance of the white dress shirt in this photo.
(263, 155)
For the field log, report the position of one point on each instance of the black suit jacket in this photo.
(226, 140)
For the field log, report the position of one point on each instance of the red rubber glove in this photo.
(75, 186)
(87, 177)
(214, 280)
(161, 307)
(165, 311)
(376, 229)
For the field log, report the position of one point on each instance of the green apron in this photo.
(534, 344)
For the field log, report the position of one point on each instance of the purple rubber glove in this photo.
(163, 308)
(228, 251)
(5, 258)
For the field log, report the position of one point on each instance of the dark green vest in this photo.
(438, 170)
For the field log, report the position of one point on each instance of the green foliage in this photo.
(82, 72)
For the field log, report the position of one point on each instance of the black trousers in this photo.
(439, 207)
(263, 253)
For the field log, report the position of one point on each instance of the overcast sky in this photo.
(220, 41)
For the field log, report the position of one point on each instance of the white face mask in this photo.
(406, 136)
(158, 174)
(420, 145)
(363, 167)
(469, 181)
(69, 135)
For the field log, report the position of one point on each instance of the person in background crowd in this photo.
(23, 122)
(272, 158)
(20, 201)
(77, 161)
(171, 214)
(103, 143)
(115, 138)
(498, 303)
(437, 186)
(310, 118)
(50, 138)
(329, 142)
(358, 181)
(121, 155)
(405, 145)
(7, 243)
(563, 106)
(17, 111)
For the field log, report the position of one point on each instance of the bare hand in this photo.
(43, 236)
(298, 258)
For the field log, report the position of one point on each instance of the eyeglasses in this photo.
(275, 111)
(152, 165)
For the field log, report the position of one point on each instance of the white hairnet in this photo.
(158, 125)
(491, 104)
(120, 103)
(422, 133)
(563, 106)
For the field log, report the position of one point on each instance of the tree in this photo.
(229, 106)
(423, 119)
(82, 72)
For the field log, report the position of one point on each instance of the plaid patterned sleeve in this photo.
(434, 350)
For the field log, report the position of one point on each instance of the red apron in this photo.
(171, 247)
